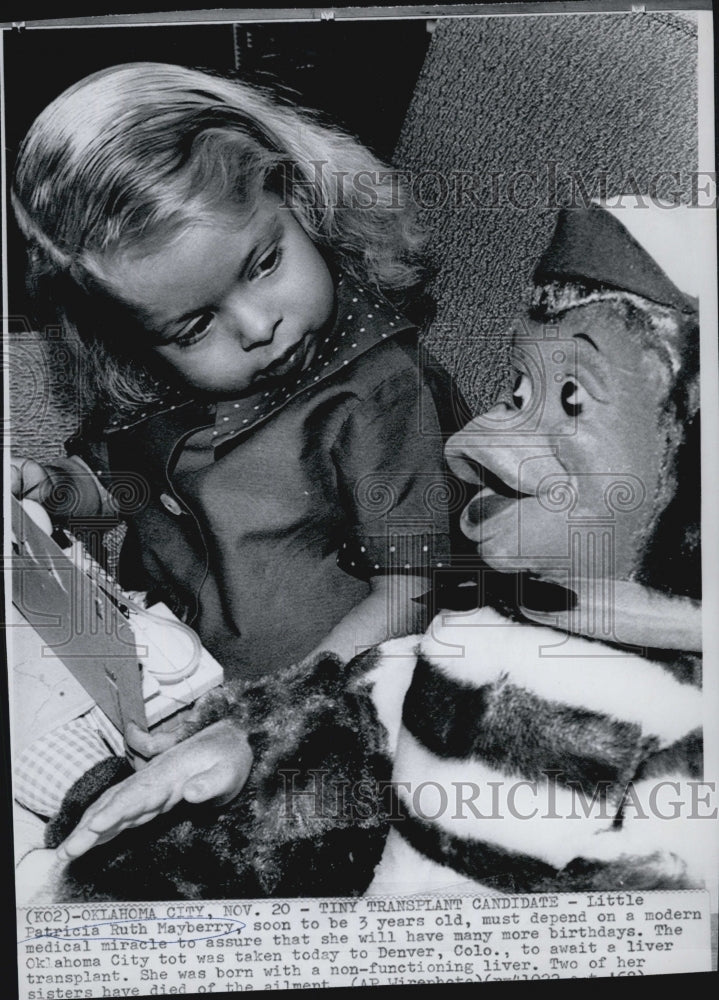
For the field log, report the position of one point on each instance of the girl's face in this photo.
(230, 307)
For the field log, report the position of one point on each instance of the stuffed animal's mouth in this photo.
(494, 495)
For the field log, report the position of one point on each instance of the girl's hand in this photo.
(142, 745)
(28, 479)
(212, 766)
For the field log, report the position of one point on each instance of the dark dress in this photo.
(260, 520)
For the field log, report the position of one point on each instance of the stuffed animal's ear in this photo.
(672, 556)
(693, 396)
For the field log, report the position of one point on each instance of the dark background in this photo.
(359, 74)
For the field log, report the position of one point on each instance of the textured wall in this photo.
(589, 93)
(44, 379)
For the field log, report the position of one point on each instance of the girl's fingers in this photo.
(135, 801)
(26, 478)
(151, 744)
(127, 802)
(126, 824)
(212, 767)
(138, 799)
(78, 843)
(94, 813)
(125, 805)
(83, 839)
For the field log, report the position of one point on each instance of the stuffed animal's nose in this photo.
(481, 454)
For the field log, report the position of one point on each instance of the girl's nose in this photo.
(254, 322)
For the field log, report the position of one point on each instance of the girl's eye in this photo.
(268, 263)
(522, 391)
(573, 398)
(197, 331)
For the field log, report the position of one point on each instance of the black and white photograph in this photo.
(357, 506)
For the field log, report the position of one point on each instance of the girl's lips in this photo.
(293, 358)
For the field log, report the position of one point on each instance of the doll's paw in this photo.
(640, 616)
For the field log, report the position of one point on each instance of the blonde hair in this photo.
(131, 155)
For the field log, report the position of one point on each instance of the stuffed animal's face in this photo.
(570, 468)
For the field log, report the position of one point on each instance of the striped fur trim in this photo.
(384, 673)
(521, 754)
(472, 801)
(499, 869)
(484, 646)
(490, 864)
(514, 729)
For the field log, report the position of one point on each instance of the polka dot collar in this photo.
(124, 422)
(364, 319)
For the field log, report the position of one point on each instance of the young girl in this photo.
(230, 266)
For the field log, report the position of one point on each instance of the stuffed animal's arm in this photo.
(233, 730)
(556, 735)
(310, 734)
(638, 616)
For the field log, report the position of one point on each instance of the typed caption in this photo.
(165, 949)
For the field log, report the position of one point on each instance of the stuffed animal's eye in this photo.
(522, 391)
(573, 398)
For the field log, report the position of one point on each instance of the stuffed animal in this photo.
(529, 761)
(587, 472)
